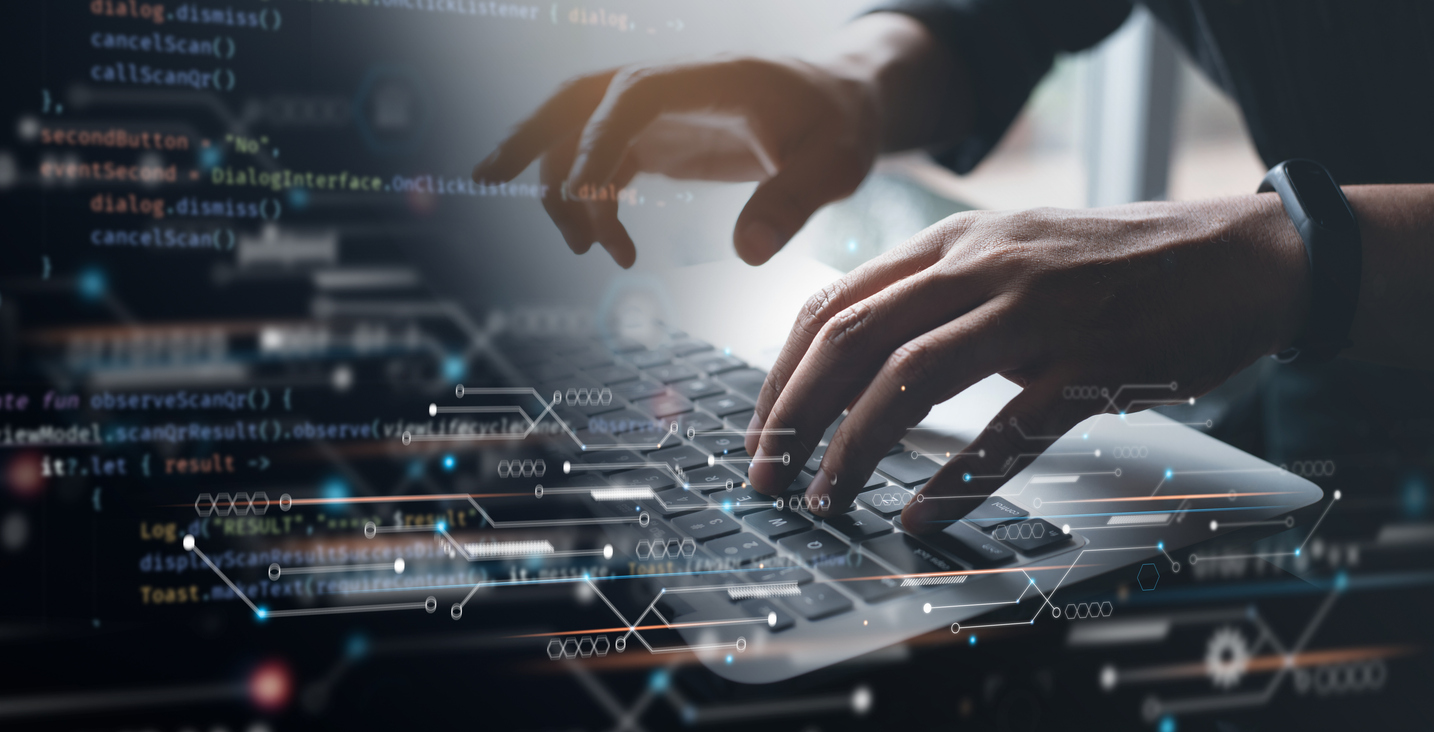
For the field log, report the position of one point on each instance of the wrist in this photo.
(1266, 228)
(916, 91)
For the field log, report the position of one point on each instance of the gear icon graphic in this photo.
(1226, 657)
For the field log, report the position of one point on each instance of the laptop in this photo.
(649, 434)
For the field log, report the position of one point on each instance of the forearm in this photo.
(1394, 321)
(921, 91)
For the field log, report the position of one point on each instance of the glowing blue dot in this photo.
(1341, 581)
(261, 612)
(729, 658)
(299, 198)
(971, 640)
(449, 462)
(658, 680)
(92, 284)
(335, 488)
(454, 368)
(1033, 580)
(1167, 724)
(966, 477)
(727, 505)
(1297, 551)
(1122, 415)
(1169, 473)
(585, 575)
(851, 245)
(210, 157)
(1085, 436)
(726, 351)
(1160, 546)
(356, 647)
(442, 526)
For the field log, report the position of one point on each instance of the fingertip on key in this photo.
(763, 474)
(754, 428)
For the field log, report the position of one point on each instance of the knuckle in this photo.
(915, 363)
(846, 327)
(820, 308)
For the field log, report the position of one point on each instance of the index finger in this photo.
(564, 113)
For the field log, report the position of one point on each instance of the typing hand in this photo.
(1187, 294)
(807, 133)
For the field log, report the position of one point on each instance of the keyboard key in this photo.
(678, 500)
(685, 457)
(697, 388)
(864, 578)
(818, 601)
(741, 420)
(668, 373)
(549, 370)
(621, 345)
(657, 480)
(615, 374)
(698, 422)
(724, 405)
(689, 346)
(969, 543)
(815, 547)
(907, 471)
(908, 555)
(743, 548)
(759, 607)
(768, 575)
(858, 525)
(709, 479)
(619, 422)
(775, 524)
(814, 463)
(1031, 536)
(648, 359)
(706, 525)
(747, 382)
(640, 389)
(800, 483)
(609, 457)
(886, 501)
(718, 364)
(590, 358)
(742, 501)
(663, 405)
(719, 444)
(996, 510)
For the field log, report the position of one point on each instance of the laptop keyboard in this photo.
(684, 406)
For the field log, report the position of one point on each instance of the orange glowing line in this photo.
(1175, 497)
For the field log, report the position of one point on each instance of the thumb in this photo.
(819, 172)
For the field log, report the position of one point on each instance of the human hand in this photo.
(807, 132)
(1177, 293)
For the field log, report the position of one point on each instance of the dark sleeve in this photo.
(1008, 45)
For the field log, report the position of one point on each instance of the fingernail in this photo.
(752, 427)
(821, 488)
(759, 242)
(763, 474)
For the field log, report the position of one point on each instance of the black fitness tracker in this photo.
(1330, 231)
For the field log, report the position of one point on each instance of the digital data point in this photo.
(926, 608)
(711, 460)
(398, 565)
(1338, 495)
(607, 551)
(189, 542)
(772, 619)
(1214, 525)
(567, 467)
(433, 410)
